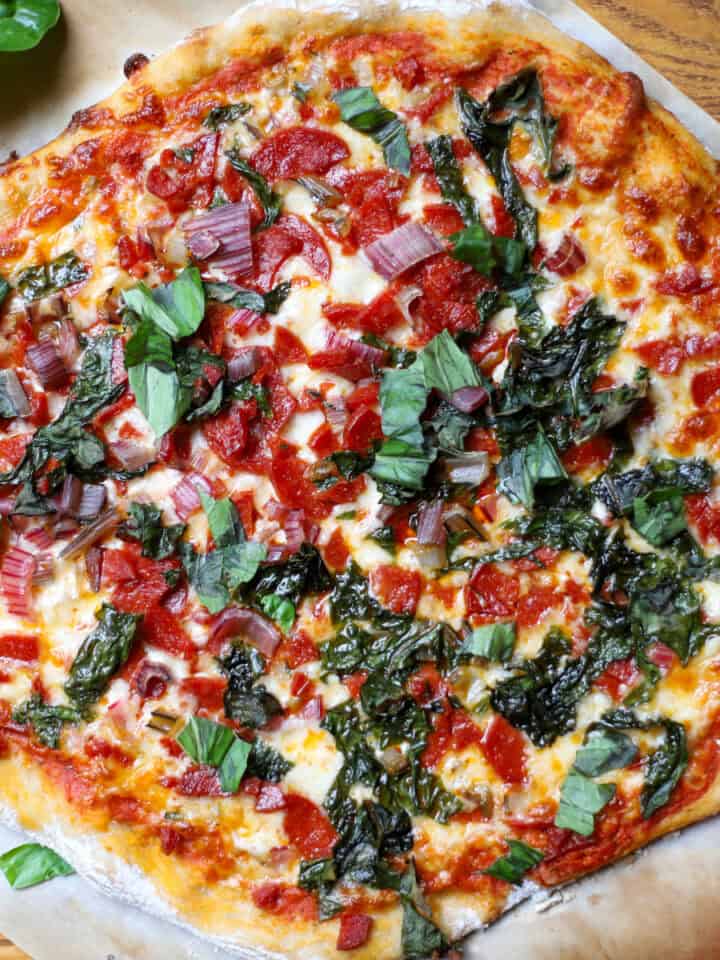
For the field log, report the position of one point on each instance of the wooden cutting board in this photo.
(680, 38)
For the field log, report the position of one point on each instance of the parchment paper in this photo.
(77, 64)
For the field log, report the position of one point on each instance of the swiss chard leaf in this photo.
(101, 655)
(34, 283)
(486, 253)
(361, 110)
(46, 720)
(449, 177)
(420, 937)
(270, 201)
(302, 574)
(267, 763)
(144, 524)
(513, 866)
(30, 863)
(246, 701)
(525, 467)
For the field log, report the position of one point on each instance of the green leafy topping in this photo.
(234, 561)
(300, 91)
(495, 641)
(302, 574)
(525, 467)
(401, 464)
(361, 110)
(449, 177)
(101, 655)
(245, 700)
(486, 253)
(580, 799)
(279, 609)
(244, 299)
(47, 721)
(420, 936)
(664, 766)
(217, 746)
(144, 524)
(31, 863)
(65, 439)
(266, 763)
(176, 308)
(34, 283)
(270, 202)
(489, 126)
(604, 749)
(513, 866)
(4, 289)
(229, 113)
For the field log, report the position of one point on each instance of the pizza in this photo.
(360, 414)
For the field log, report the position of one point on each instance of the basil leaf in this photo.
(46, 720)
(279, 609)
(241, 562)
(449, 177)
(270, 202)
(484, 252)
(101, 655)
(495, 641)
(30, 863)
(420, 937)
(580, 799)
(361, 110)
(403, 398)
(222, 516)
(401, 463)
(205, 740)
(524, 468)
(447, 368)
(604, 750)
(234, 765)
(205, 571)
(520, 858)
(229, 113)
(159, 395)
(659, 516)
(37, 282)
(177, 308)
(244, 299)
(666, 610)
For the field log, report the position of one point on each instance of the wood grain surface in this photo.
(681, 39)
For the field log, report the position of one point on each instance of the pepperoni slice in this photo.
(296, 151)
(504, 749)
(19, 646)
(308, 828)
(397, 589)
(354, 931)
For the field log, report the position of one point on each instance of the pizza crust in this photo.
(252, 34)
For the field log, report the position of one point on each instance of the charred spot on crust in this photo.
(136, 61)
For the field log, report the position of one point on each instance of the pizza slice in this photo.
(359, 397)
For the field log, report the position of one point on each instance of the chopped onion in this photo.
(93, 567)
(430, 528)
(91, 534)
(47, 363)
(70, 497)
(7, 505)
(67, 342)
(13, 391)
(467, 399)
(230, 226)
(92, 501)
(355, 349)
(401, 249)
(393, 759)
(293, 525)
(473, 468)
(242, 622)
(118, 370)
(185, 496)
(567, 258)
(404, 298)
(150, 680)
(16, 573)
(244, 363)
(131, 454)
(202, 244)
(321, 191)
